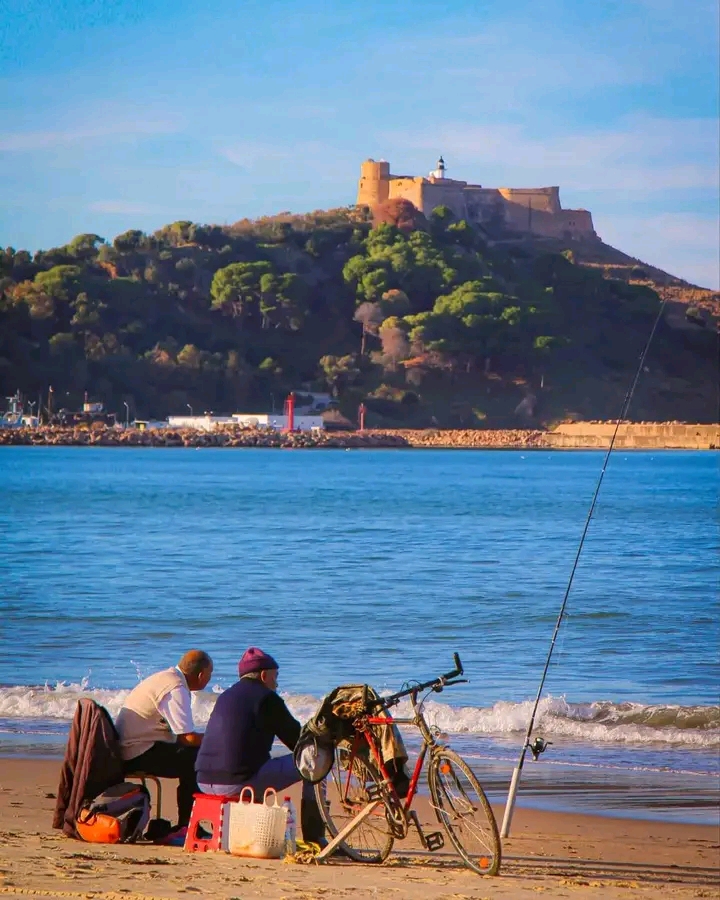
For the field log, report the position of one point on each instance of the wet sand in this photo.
(552, 854)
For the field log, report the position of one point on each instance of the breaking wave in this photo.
(36, 709)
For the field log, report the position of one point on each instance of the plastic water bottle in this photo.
(290, 828)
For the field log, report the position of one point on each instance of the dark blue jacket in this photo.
(240, 732)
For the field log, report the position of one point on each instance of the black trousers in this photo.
(170, 761)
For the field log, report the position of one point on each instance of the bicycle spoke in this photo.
(348, 794)
(463, 810)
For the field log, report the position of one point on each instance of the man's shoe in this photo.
(176, 838)
(157, 830)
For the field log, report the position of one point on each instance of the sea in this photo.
(375, 566)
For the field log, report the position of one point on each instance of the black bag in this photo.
(117, 816)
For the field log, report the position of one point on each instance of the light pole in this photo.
(127, 413)
(32, 409)
(189, 407)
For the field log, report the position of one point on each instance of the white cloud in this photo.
(251, 155)
(515, 68)
(123, 207)
(289, 162)
(640, 155)
(51, 139)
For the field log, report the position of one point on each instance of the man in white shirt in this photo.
(156, 728)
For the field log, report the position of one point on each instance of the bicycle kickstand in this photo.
(330, 848)
(435, 840)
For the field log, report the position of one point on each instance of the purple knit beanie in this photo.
(254, 660)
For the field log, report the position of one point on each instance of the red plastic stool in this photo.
(208, 809)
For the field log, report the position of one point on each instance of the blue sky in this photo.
(122, 115)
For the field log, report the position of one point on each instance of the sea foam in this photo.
(28, 709)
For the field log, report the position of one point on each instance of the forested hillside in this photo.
(420, 319)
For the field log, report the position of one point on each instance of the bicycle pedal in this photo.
(435, 840)
(373, 792)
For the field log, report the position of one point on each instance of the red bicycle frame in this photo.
(363, 733)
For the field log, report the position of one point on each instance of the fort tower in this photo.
(508, 211)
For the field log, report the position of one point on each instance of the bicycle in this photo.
(363, 812)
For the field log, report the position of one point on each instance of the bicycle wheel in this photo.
(343, 795)
(464, 812)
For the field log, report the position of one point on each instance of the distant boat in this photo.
(13, 417)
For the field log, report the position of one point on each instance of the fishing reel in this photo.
(538, 746)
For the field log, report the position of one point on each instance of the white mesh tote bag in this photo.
(257, 829)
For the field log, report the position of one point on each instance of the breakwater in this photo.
(635, 436)
(191, 437)
(575, 435)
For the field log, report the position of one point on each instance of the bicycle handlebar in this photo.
(435, 684)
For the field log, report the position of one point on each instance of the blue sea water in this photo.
(376, 566)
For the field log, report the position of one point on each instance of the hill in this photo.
(426, 321)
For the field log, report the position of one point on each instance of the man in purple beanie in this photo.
(235, 751)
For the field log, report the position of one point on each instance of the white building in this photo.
(246, 420)
(276, 421)
(199, 423)
(150, 424)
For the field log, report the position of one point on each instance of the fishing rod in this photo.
(539, 745)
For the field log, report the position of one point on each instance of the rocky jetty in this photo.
(576, 435)
(457, 439)
(187, 437)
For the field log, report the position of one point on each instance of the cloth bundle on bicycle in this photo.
(333, 723)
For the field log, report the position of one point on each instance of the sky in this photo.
(119, 115)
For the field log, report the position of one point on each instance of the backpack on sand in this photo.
(117, 816)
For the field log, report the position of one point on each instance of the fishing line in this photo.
(539, 744)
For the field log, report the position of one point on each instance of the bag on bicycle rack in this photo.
(332, 723)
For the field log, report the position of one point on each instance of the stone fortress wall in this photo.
(535, 211)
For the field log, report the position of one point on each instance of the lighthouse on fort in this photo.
(530, 211)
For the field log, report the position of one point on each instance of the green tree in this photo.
(87, 312)
(237, 287)
(63, 344)
(60, 282)
(190, 357)
(40, 304)
(85, 246)
(130, 241)
(339, 371)
(282, 301)
(440, 218)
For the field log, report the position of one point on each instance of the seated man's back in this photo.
(245, 720)
(140, 722)
(156, 730)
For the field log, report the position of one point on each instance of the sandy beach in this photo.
(551, 854)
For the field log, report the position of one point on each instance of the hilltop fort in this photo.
(526, 211)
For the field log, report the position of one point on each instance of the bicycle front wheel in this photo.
(343, 795)
(464, 812)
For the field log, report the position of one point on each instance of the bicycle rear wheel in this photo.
(464, 812)
(343, 795)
